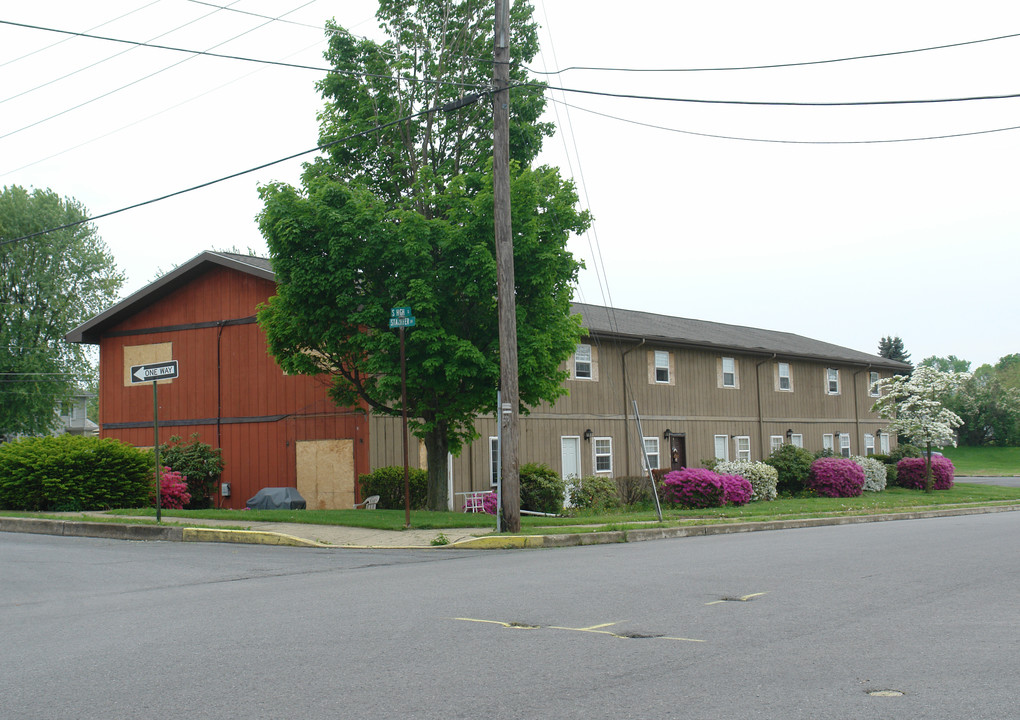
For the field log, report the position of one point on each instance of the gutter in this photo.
(626, 419)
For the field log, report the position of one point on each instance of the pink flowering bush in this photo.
(736, 489)
(836, 477)
(489, 503)
(694, 488)
(910, 473)
(173, 490)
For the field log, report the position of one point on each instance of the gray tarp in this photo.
(278, 498)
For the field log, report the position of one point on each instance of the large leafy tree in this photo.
(988, 402)
(49, 284)
(915, 406)
(403, 216)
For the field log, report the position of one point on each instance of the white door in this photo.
(570, 461)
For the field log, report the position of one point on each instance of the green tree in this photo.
(892, 348)
(403, 216)
(49, 284)
(915, 406)
(990, 409)
(947, 364)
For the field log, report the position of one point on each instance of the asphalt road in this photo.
(789, 624)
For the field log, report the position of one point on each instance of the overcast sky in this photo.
(841, 242)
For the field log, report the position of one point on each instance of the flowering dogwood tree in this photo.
(914, 404)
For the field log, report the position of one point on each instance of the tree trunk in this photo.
(929, 483)
(437, 447)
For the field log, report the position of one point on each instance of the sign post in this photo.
(402, 317)
(154, 372)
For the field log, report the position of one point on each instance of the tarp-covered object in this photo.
(278, 498)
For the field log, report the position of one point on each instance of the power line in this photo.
(462, 102)
(786, 142)
(777, 65)
(775, 103)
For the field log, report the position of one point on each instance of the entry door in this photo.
(677, 452)
(570, 460)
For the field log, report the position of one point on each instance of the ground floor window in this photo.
(827, 445)
(797, 440)
(869, 444)
(651, 452)
(603, 454)
(722, 447)
(775, 443)
(743, 447)
(844, 444)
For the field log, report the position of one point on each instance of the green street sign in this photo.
(399, 322)
(401, 312)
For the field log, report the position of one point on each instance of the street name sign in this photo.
(153, 372)
(398, 322)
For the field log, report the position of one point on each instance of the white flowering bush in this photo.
(874, 473)
(763, 478)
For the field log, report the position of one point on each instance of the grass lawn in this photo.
(892, 500)
(990, 461)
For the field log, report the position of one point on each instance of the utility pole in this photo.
(505, 286)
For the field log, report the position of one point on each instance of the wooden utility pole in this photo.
(505, 287)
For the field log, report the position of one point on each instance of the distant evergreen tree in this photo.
(891, 348)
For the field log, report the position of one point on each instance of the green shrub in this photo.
(595, 492)
(708, 464)
(542, 489)
(904, 450)
(388, 484)
(199, 463)
(763, 477)
(793, 464)
(634, 490)
(70, 473)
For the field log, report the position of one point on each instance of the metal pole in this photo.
(403, 413)
(648, 467)
(155, 446)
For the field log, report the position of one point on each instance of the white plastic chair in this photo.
(369, 503)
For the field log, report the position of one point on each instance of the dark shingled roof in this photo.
(603, 322)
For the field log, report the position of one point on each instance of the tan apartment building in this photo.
(702, 390)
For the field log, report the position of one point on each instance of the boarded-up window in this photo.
(145, 354)
(325, 473)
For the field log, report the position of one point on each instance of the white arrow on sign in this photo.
(154, 371)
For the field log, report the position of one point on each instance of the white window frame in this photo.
(742, 453)
(732, 372)
(844, 445)
(787, 377)
(493, 460)
(872, 390)
(869, 444)
(579, 361)
(829, 380)
(828, 443)
(797, 440)
(883, 443)
(606, 454)
(663, 356)
(651, 451)
(722, 442)
(775, 443)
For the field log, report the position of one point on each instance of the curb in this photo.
(122, 531)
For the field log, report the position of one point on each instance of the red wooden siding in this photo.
(230, 390)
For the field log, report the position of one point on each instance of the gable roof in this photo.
(666, 330)
(90, 331)
(600, 321)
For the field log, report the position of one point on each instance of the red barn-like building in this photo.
(275, 430)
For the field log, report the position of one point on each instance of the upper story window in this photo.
(832, 381)
(783, 374)
(872, 388)
(729, 372)
(583, 363)
(661, 359)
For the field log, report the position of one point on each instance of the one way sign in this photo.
(153, 372)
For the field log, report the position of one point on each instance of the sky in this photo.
(785, 217)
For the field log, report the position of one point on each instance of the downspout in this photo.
(219, 398)
(857, 403)
(761, 419)
(626, 435)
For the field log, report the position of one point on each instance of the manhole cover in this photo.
(885, 693)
